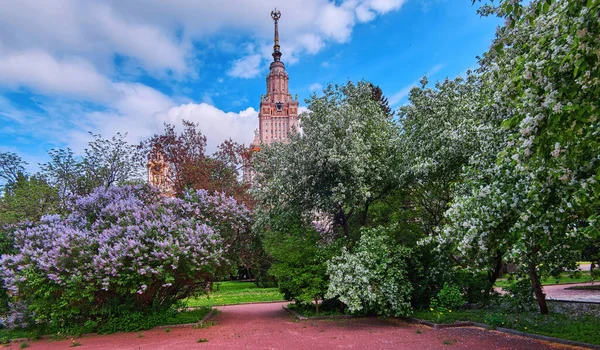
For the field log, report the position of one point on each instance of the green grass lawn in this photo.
(581, 277)
(180, 317)
(234, 292)
(583, 328)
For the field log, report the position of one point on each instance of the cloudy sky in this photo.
(68, 67)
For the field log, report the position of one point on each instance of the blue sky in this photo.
(68, 67)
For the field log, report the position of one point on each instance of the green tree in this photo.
(299, 260)
(11, 165)
(28, 198)
(543, 195)
(106, 162)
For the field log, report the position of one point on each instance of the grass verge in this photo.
(582, 328)
(575, 277)
(113, 325)
(235, 292)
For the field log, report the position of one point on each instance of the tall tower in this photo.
(278, 114)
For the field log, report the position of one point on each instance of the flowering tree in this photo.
(542, 193)
(440, 132)
(341, 163)
(190, 165)
(120, 250)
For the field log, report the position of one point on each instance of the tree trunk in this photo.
(364, 214)
(493, 275)
(317, 305)
(537, 289)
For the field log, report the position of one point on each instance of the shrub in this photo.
(372, 278)
(299, 263)
(520, 295)
(449, 297)
(121, 251)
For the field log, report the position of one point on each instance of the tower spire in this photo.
(276, 15)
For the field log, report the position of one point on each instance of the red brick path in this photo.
(268, 326)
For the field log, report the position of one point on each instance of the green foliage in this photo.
(28, 198)
(563, 278)
(520, 294)
(449, 297)
(531, 197)
(11, 165)
(299, 263)
(136, 321)
(107, 162)
(130, 322)
(476, 287)
(342, 162)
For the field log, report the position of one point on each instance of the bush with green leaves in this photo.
(121, 250)
(372, 278)
(519, 296)
(449, 297)
(299, 260)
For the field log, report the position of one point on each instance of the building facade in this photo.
(278, 112)
(159, 174)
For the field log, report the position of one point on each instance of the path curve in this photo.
(268, 326)
(562, 292)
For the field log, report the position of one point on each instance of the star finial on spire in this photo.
(276, 15)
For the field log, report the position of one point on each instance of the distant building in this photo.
(278, 113)
(159, 174)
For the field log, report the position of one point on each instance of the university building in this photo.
(278, 112)
(277, 119)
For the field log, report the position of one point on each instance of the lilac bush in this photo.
(120, 249)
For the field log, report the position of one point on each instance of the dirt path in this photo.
(268, 326)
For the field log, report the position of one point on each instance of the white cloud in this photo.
(142, 111)
(91, 30)
(160, 36)
(246, 67)
(363, 14)
(384, 6)
(315, 87)
(45, 74)
(64, 51)
(154, 48)
(216, 124)
(336, 22)
(400, 95)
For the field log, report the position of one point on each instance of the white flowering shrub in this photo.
(372, 278)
